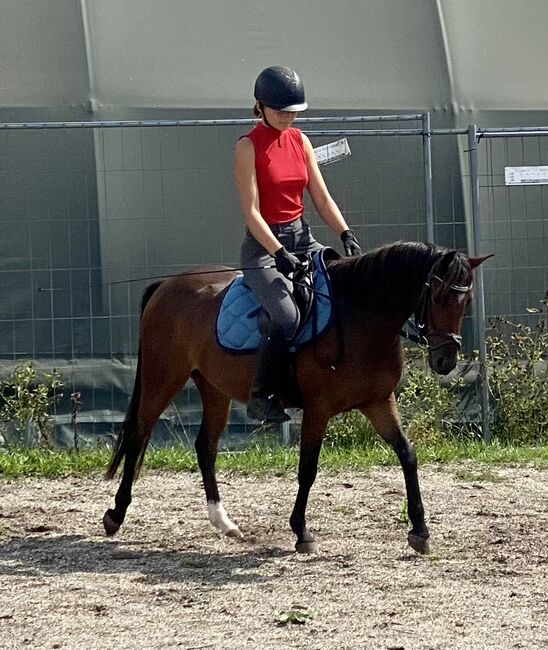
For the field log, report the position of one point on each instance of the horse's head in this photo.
(446, 294)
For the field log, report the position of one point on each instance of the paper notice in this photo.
(331, 152)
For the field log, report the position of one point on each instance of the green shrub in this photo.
(26, 398)
(350, 429)
(518, 380)
(428, 408)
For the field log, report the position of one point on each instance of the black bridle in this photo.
(424, 308)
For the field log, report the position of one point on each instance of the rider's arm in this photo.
(246, 184)
(322, 200)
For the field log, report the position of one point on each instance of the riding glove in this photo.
(286, 262)
(350, 243)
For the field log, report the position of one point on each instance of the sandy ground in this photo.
(168, 580)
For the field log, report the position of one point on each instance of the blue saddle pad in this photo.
(237, 326)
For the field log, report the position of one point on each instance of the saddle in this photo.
(240, 320)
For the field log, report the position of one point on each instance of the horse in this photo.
(356, 364)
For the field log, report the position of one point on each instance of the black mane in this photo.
(392, 276)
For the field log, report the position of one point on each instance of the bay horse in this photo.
(373, 294)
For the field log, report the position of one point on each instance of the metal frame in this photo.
(423, 118)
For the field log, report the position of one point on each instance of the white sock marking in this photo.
(219, 519)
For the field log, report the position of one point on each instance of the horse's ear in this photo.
(476, 261)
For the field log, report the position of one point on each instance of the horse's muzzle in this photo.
(443, 350)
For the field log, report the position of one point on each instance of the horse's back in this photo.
(198, 285)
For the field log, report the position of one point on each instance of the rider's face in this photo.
(279, 120)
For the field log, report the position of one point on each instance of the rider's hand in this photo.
(350, 243)
(286, 262)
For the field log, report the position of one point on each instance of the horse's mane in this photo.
(393, 275)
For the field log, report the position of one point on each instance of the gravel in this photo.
(169, 580)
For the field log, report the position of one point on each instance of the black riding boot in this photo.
(264, 402)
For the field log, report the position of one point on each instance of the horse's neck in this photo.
(392, 295)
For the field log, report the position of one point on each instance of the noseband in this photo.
(424, 307)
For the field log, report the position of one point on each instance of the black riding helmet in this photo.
(280, 88)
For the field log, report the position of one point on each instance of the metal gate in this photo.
(91, 212)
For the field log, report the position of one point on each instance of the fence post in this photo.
(480, 293)
(428, 194)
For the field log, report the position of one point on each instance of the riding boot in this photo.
(264, 402)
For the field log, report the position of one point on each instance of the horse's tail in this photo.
(128, 430)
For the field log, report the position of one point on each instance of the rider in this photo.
(274, 163)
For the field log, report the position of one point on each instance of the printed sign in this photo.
(331, 152)
(526, 175)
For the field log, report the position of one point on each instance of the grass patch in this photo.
(15, 463)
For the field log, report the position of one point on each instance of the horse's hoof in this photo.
(234, 532)
(111, 526)
(419, 544)
(306, 547)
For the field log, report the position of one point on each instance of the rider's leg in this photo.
(274, 292)
(264, 402)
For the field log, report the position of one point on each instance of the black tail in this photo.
(128, 430)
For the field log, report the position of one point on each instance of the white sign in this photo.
(526, 175)
(331, 152)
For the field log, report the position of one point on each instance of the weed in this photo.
(518, 379)
(403, 516)
(427, 408)
(296, 615)
(351, 429)
(26, 398)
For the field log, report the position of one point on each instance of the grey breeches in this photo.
(270, 287)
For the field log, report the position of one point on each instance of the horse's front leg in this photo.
(312, 433)
(385, 418)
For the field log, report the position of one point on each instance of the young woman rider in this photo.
(273, 164)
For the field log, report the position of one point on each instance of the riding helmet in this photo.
(280, 88)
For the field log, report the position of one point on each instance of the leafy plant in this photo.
(518, 378)
(428, 409)
(26, 397)
(403, 515)
(350, 429)
(297, 615)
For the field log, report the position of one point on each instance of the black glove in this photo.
(286, 262)
(350, 243)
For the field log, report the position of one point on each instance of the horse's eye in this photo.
(441, 297)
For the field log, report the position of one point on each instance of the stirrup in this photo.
(266, 410)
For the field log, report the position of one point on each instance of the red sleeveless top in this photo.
(282, 174)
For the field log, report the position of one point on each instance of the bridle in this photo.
(424, 308)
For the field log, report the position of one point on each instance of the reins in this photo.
(418, 333)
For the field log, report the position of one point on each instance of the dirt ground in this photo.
(168, 580)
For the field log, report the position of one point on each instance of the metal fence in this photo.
(92, 211)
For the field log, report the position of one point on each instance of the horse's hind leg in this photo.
(385, 418)
(215, 409)
(151, 396)
(114, 518)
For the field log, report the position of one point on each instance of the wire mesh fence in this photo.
(514, 222)
(91, 213)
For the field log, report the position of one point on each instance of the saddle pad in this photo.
(237, 326)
